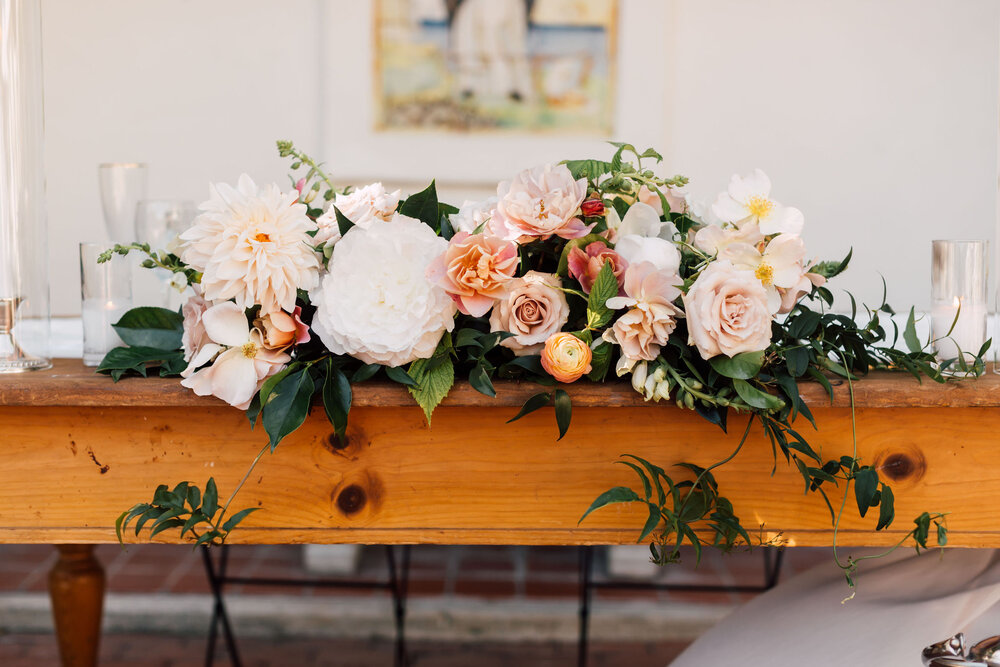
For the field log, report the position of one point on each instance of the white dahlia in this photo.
(376, 303)
(251, 246)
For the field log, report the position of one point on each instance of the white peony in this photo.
(376, 303)
(474, 214)
(251, 246)
(361, 207)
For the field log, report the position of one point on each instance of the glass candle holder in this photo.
(106, 291)
(959, 281)
(123, 186)
(24, 277)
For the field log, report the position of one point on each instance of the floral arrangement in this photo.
(586, 270)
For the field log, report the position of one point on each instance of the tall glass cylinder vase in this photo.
(24, 284)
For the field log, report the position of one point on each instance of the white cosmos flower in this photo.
(643, 237)
(241, 362)
(376, 303)
(748, 199)
(251, 246)
(779, 266)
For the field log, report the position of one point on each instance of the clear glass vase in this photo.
(24, 276)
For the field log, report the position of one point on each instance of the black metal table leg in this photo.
(216, 581)
(586, 563)
(399, 580)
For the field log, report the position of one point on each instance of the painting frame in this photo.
(356, 152)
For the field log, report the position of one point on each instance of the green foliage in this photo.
(423, 206)
(433, 379)
(140, 361)
(195, 513)
(151, 327)
(287, 405)
(605, 287)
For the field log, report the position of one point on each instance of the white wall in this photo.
(878, 119)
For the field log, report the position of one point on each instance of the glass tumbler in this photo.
(159, 222)
(123, 185)
(959, 282)
(106, 291)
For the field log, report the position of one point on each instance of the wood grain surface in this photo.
(84, 452)
(70, 383)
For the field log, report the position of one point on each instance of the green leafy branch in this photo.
(187, 508)
(154, 260)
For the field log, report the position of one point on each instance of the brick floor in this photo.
(511, 573)
(164, 651)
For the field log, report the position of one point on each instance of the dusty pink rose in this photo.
(474, 270)
(565, 357)
(532, 309)
(540, 203)
(280, 330)
(651, 317)
(791, 296)
(195, 336)
(727, 312)
(584, 265)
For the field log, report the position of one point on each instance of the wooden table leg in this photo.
(76, 586)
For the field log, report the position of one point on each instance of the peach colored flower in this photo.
(474, 270)
(239, 360)
(675, 199)
(532, 309)
(791, 296)
(651, 317)
(195, 336)
(727, 312)
(565, 357)
(281, 330)
(540, 203)
(584, 265)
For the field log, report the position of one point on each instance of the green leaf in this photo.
(582, 242)
(865, 485)
(886, 510)
(210, 499)
(235, 519)
(399, 374)
(942, 534)
(600, 362)
(287, 406)
(151, 327)
(831, 269)
(166, 525)
(337, 398)
(651, 523)
(344, 223)
(589, 169)
(423, 206)
(605, 287)
(533, 403)
(619, 494)
(432, 382)
(480, 380)
(140, 359)
(743, 366)
(365, 372)
(797, 361)
(564, 411)
(756, 398)
(910, 334)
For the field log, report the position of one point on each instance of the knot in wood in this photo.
(336, 444)
(352, 499)
(899, 466)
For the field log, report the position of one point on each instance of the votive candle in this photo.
(959, 279)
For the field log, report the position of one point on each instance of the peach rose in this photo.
(194, 336)
(584, 265)
(565, 357)
(279, 329)
(651, 317)
(727, 312)
(474, 271)
(540, 203)
(532, 309)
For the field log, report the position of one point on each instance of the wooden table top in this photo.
(70, 383)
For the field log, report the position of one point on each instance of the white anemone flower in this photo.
(748, 199)
(778, 266)
(642, 237)
(241, 362)
(251, 246)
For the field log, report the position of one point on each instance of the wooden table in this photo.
(78, 449)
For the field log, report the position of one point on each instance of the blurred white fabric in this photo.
(903, 603)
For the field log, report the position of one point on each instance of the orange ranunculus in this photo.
(566, 357)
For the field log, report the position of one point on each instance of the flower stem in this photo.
(218, 522)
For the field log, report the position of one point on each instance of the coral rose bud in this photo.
(565, 357)
(592, 208)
